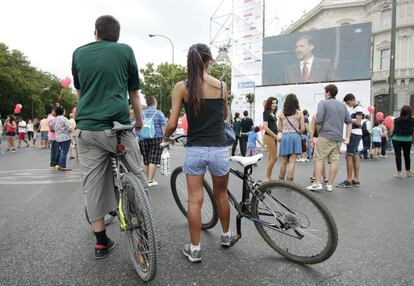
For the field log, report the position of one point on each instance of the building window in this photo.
(381, 103)
(385, 59)
(386, 18)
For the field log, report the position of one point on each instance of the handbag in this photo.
(229, 133)
(302, 140)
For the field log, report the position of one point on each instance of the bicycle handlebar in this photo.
(172, 140)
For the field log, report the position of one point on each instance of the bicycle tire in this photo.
(209, 211)
(108, 218)
(299, 226)
(142, 241)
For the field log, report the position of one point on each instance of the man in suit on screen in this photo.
(308, 68)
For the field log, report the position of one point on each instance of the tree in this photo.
(21, 83)
(250, 101)
(159, 83)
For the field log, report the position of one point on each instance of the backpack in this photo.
(364, 128)
(148, 129)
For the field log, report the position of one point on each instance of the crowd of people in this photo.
(102, 89)
(292, 137)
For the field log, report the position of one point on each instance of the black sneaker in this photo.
(345, 184)
(102, 251)
(356, 183)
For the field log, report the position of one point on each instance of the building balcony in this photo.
(399, 73)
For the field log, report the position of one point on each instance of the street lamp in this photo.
(172, 57)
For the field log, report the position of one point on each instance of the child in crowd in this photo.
(377, 134)
(251, 142)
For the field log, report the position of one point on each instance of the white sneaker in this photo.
(152, 183)
(329, 188)
(314, 187)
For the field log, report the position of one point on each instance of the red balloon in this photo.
(371, 109)
(19, 106)
(65, 83)
(184, 123)
(388, 121)
(16, 110)
(379, 116)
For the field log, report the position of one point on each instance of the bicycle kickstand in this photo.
(238, 226)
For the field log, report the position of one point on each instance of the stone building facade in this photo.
(331, 13)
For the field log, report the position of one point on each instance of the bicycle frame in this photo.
(249, 187)
(117, 165)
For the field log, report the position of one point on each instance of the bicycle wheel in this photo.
(294, 223)
(209, 212)
(140, 231)
(108, 218)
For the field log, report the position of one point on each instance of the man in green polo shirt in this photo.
(104, 73)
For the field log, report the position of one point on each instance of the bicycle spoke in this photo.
(293, 223)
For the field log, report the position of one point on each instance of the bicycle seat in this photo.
(246, 161)
(120, 127)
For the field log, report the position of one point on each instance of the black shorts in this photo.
(11, 133)
(151, 150)
(376, 144)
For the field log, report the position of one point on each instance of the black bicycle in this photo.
(134, 211)
(291, 220)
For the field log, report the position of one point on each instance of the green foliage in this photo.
(250, 98)
(160, 81)
(33, 89)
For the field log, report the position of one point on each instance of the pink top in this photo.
(10, 127)
(287, 127)
(51, 121)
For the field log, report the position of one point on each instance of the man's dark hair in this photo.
(150, 100)
(245, 113)
(305, 112)
(406, 111)
(349, 97)
(236, 115)
(332, 89)
(308, 38)
(108, 28)
(256, 129)
(59, 110)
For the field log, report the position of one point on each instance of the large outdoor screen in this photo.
(333, 54)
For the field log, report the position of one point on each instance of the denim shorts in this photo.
(352, 147)
(196, 159)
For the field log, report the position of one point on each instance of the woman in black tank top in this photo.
(205, 102)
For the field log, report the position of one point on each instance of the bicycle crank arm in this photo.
(235, 239)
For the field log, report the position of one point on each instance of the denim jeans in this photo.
(54, 153)
(64, 149)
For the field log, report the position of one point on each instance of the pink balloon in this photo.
(379, 116)
(19, 106)
(371, 109)
(388, 121)
(184, 123)
(16, 110)
(65, 83)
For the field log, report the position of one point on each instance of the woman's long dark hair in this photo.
(291, 105)
(198, 56)
(268, 104)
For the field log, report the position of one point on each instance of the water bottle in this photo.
(165, 167)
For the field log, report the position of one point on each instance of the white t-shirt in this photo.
(22, 126)
(357, 110)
